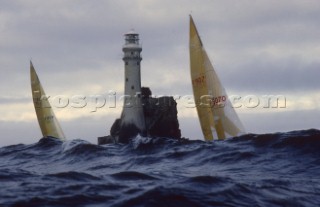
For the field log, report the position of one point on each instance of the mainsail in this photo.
(48, 122)
(217, 117)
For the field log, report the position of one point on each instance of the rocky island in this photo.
(142, 114)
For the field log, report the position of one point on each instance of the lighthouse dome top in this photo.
(131, 32)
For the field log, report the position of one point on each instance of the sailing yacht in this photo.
(217, 117)
(48, 122)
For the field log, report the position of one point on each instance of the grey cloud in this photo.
(273, 75)
(280, 121)
(14, 99)
(77, 44)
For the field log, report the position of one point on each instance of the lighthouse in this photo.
(155, 117)
(132, 114)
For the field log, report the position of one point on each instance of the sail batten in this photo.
(217, 118)
(48, 122)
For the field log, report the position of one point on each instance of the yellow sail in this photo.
(48, 122)
(217, 118)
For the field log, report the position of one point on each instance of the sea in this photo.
(279, 169)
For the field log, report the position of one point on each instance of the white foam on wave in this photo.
(136, 141)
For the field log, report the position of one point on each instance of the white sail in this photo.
(48, 122)
(217, 117)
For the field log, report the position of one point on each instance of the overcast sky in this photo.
(257, 48)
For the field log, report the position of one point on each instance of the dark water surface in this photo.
(281, 169)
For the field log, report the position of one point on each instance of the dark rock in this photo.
(126, 132)
(160, 118)
(106, 140)
(115, 128)
(146, 92)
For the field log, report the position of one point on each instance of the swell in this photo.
(309, 139)
(279, 169)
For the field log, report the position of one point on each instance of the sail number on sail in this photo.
(48, 118)
(218, 101)
(198, 81)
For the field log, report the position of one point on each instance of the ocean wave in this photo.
(279, 169)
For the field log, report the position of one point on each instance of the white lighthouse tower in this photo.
(132, 114)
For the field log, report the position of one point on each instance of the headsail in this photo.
(48, 122)
(217, 117)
